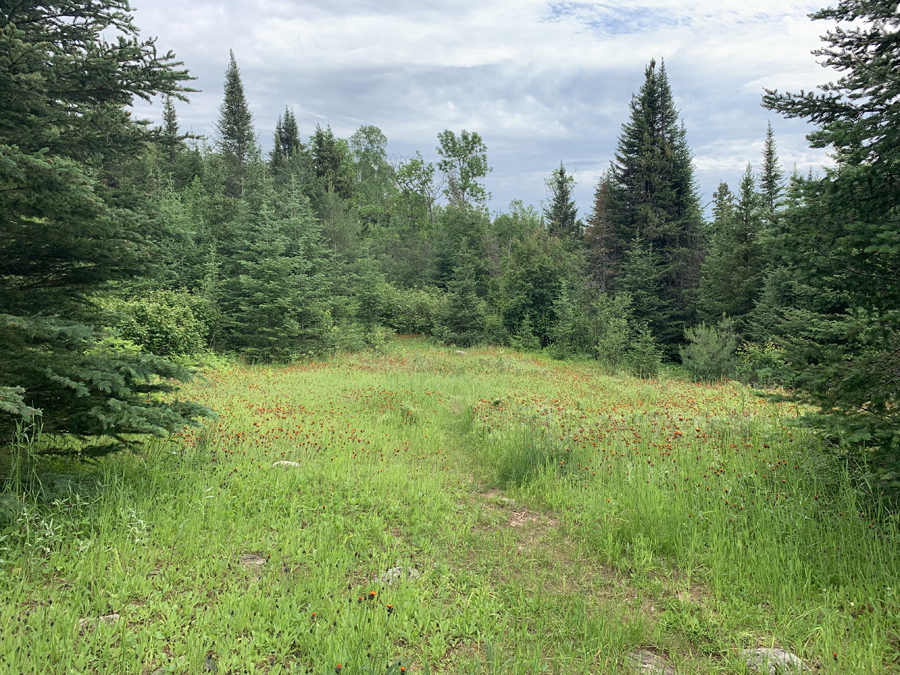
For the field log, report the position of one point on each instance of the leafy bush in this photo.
(612, 331)
(412, 311)
(710, 352)
(644, 355)
(166, 323)
(762, 364)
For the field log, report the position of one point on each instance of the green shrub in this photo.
(166, 323)
(710, 352)
(762, 364)
(644, 356)
(412, 311)
(613, 331)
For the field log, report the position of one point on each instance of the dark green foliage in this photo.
(641, 277)
(652, 196)
(734, 267)
(276, 303)
(287, 148)
(332, 166)
(86, 384)
(771, 180)
(235, 136)
(461, 236)
(561, 214)
(534, 274)
(70, 225)
(599, 236)
(841, 239)
(463, 162)
(463, 319)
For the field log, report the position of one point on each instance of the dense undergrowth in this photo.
(691, 520)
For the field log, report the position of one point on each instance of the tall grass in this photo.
(681, 518)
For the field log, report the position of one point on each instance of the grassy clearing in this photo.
(556, 519)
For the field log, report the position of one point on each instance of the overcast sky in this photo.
(542, 82)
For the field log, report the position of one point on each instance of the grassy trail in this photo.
(530, 517)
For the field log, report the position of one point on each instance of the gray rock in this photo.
(397, 574)
(109, 620)
(460, 352)
(773, 661)
(283, 463)
(648, 663)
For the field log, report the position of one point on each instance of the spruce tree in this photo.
(332, 163)
(235, 137)
(170, 118)
(277, 299)
(771, 180)
(287, 144)
(841, 240)
(653, 195)
(171, 138)
(642, 280)
(561, 214)
(734, 266)
(70, 228)
(598, 236)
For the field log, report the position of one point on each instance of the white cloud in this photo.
(540, 81)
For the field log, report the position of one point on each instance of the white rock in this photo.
(109, 620)
(286, 463)
(648, 663)
(773, 661)
(397, 574)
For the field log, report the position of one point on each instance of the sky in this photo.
(541, 82)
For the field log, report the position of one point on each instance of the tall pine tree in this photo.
(561, 214)
(287, 145)
(842, 240)
(235, 137)
(70, 227)
(599, 236)
(653, 196)
(771, 179)
(734, 266)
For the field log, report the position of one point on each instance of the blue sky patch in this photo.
(611, 20)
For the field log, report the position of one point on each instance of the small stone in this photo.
(648, 663)
(293, 464)
(397, 574)
(108, 620)
(460, 352)
(252, 560)
(773, 661)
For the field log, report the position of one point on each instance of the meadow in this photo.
(424, 510)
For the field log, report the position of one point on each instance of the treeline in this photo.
(125, 246)
(327, 244)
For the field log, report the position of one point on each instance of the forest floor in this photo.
(430, 510)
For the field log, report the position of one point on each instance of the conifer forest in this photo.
(150, 278)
